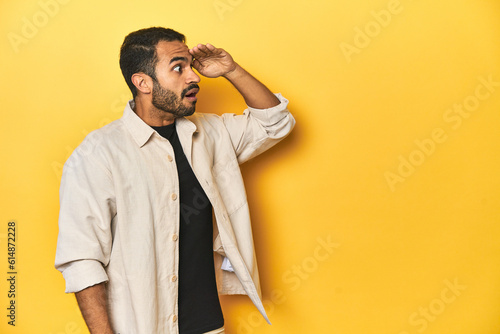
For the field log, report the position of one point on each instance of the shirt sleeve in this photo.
(258, 129)
(87, 207)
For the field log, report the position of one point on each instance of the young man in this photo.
(136, 230)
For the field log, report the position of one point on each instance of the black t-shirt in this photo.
(198, 304)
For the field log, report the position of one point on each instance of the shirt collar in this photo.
(141, 132)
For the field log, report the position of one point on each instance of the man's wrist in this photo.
(235, 73)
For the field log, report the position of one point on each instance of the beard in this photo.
(167, 101)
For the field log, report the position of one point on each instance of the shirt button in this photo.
(169, 157)
(174, 197)
(175, 237)
(174, 278)
(174, 318)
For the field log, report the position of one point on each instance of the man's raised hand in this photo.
(212, 62)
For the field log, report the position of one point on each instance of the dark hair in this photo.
(138, 52)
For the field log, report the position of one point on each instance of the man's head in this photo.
(156, 62)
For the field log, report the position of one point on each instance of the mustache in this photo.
(184, 92)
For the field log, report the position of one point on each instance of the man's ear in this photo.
(142, 82)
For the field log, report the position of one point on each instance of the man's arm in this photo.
(264, 123)
(254, 92)
(92, 303)
(214, 62)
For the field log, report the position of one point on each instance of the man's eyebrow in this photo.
(177, 59)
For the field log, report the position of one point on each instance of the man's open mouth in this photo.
(191, 94)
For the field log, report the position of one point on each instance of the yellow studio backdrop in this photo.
(379, 214)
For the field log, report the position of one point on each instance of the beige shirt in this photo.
(119, 216)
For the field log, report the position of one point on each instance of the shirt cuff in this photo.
(274, 114)
(82, 274)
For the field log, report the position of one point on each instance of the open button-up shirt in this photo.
(119, 216)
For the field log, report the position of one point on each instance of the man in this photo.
(136, 230)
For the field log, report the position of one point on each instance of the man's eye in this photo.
(178, 68)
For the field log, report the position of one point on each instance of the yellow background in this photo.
(401, 234)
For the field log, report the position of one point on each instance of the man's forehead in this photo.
(166, 51)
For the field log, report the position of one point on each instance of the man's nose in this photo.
(193, 77)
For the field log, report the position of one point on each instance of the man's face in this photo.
(176, 86)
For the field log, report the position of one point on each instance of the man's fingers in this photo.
(210, 47)
(198, 51)
(205, 50)
(206, 47)
(196, 64)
